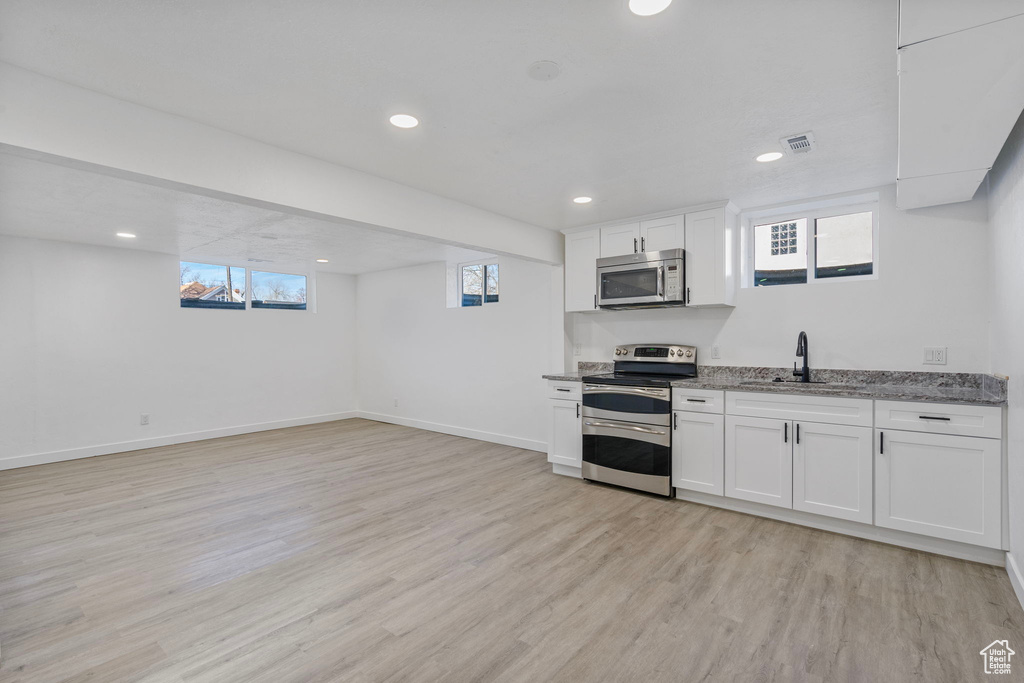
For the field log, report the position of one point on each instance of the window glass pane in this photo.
(780, 253)
(278, 290)
(843, 245)
(492, 282)
(204, 285)
(472, 285)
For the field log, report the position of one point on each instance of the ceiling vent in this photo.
(801, 143)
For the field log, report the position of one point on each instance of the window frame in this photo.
(310, 276)
(485, 263)
(811, 213)
(310, 288)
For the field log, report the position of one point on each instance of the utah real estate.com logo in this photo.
(997, 657)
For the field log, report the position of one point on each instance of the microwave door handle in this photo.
(661, 282)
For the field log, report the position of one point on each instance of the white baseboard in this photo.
(567, 471)
(503, 439)
(168, 440)
(939, 546)
(1016, 580)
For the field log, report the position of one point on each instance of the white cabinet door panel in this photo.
(832, 470)
(759, 460)
(943, 486)
(582, 249)
(662, 233)
(565, 439)
(617, 240)
(698, 452)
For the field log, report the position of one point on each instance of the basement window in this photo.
(278, 290)
(479, 284)
(205, 285)
(814, 245)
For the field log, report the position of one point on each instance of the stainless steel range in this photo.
(627, 416)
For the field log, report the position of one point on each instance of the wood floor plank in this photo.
(367, 552)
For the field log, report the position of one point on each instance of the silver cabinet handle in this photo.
(611, 425)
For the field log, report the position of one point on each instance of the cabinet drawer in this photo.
(855, 412)
(569, 391)
(940, 418)
(698, 400)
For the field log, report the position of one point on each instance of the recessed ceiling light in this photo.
(769, 156)
(321, 260)
(646, 8)
(125, 234)
(582, 200)
(404, 121)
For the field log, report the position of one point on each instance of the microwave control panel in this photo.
(673, 282)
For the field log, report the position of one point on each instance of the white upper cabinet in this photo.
(711, 257)
(660, 234)
(709, 237)
(582, 249)
(619, 240)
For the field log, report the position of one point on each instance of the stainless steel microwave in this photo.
(649, 280)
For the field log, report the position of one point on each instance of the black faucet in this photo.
(801, 351)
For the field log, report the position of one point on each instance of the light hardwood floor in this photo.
(360, 551)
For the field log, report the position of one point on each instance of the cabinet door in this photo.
(759, 460)
(565, 440)
(662, 233)
(832, 470)
(617, 240)
(582, 249)
(698, 452)
(943, 486)
(705, 258)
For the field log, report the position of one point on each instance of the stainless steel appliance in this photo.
(653, 279)
(627, 416)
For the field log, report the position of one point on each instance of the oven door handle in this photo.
(612, 425)
(638, 391)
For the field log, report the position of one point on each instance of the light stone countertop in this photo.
(937, 387)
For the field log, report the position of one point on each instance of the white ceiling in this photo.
(50, 201)
(648, 114)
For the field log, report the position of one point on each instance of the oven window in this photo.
(627, 455)
(627, 403)
(629, 284)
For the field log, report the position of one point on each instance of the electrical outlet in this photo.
(144, 419)
(935, 355)
(715, 351)
(396, 402)
(577, 350)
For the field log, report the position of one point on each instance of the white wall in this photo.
(932, 290)
(90, 337)
(1006, 206)
(470, 371)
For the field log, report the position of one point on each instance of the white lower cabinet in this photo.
(759, 460)
(565, 439)
(940, 485)
(698, 448)
(832, 470)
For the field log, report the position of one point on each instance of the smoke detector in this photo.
(799, 143)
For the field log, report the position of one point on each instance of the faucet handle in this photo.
(797, 373)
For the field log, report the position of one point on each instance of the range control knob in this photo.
(618, 352)
(672, 352)
(689, 353)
